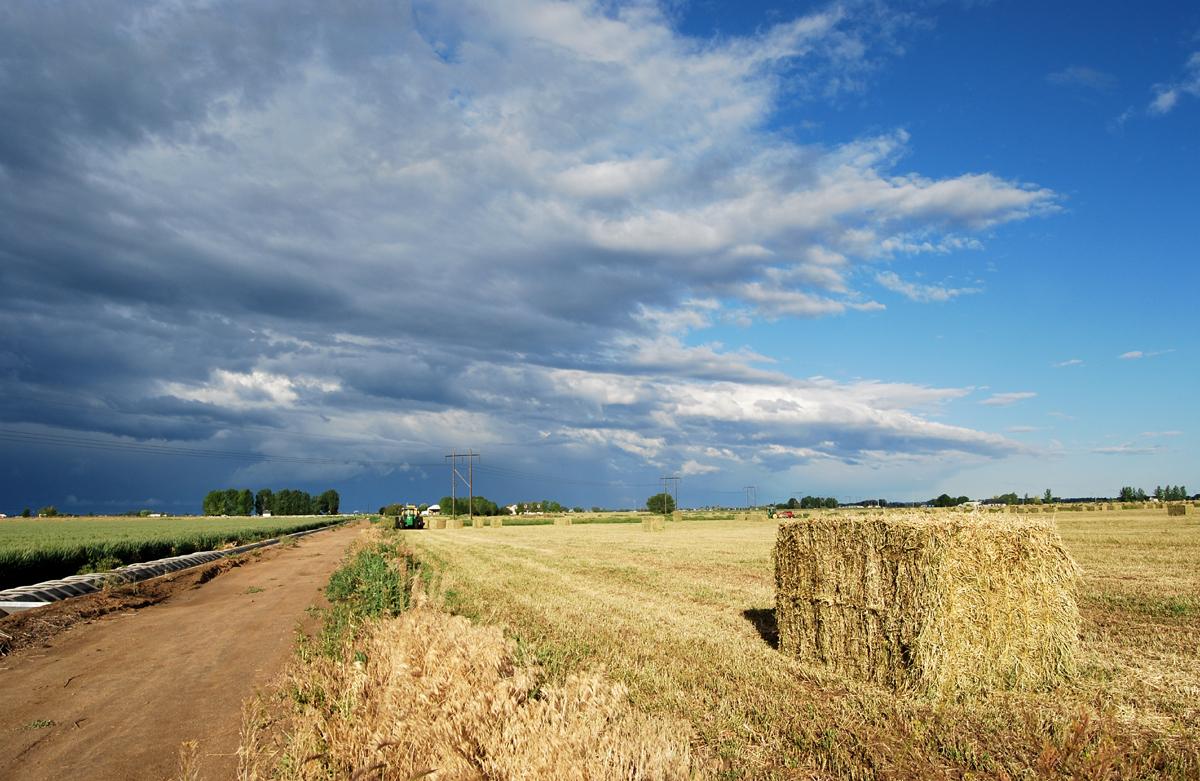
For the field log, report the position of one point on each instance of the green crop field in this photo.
(36, 549)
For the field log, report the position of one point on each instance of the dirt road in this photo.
(115, 698)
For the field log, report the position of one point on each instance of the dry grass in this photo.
(425, 694)
(937, 603)
(685, 620)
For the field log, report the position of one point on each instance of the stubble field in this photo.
(685, 619)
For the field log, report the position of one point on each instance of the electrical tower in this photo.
(751, 495)
(469, 480)
(667, 480)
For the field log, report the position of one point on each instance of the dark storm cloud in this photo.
(256, 222)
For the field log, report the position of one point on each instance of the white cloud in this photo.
(691, 467)
(1134, 355)
(1167, 96)
(1083, 76)
(1070, 362)
(1127, 449)
(1005, 399)
(1023, 429)
(922, 293)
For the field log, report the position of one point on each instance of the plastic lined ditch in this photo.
(26, 597)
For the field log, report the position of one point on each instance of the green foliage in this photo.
(369, 585)
(263, 501)
(662, 503)
(812, 503)
(461, 505)
(49, 511)
(102, 564)
(946, 500)
(25, 513)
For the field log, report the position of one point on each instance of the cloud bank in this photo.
(405, 227)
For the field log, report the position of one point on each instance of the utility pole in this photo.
(666, 489)
(468, 480)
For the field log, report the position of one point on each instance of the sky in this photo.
(850, 249)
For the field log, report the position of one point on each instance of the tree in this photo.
(49, 511)
(245, 502)
(945, 500)
(25, 513)
(1048, 497)
(662, 503)
(329, 502)
(262, 501)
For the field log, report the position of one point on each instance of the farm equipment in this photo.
(411, 518)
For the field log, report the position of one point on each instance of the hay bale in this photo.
(477, 522)
(929, 603)
(452, 523)
(654, 523)
(497, 522)
(562, 520)
(677, 515)
(1177, 509)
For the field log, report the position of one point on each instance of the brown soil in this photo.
(110, 686)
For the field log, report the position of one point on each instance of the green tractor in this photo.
(410, 518)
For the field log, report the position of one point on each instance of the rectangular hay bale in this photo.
(654, 523)
(497, 522)
(929, 603)
(1177, 509)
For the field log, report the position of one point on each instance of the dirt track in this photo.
(126, 690)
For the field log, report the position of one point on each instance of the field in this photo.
(37, 549)
(685, 619)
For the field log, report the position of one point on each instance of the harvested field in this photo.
(685, 619)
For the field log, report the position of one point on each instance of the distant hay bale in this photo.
(562, 520)
(497, 522)
(929, 603)
(453, 523)
(477, 522)
(654, 523)
(677, 515)
(1176, 509)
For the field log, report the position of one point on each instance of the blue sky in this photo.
(852, 249)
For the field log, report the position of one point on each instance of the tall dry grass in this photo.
(429, 695)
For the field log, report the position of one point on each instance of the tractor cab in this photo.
(410, 518)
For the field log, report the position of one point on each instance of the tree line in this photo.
(233, 501)
(1170, 493)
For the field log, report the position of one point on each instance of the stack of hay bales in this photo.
(562, 520)
(654, 523)
(1177, 509)
(477, 522)
(928, 603)
(435, 522)
(497, 522)
(452, 523)
(677, 515)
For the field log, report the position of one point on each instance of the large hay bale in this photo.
(497, 522)
(1177, 509)
(654, 523)
(477, 522)
(562, 520)
(930, 603)
(453, 523)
